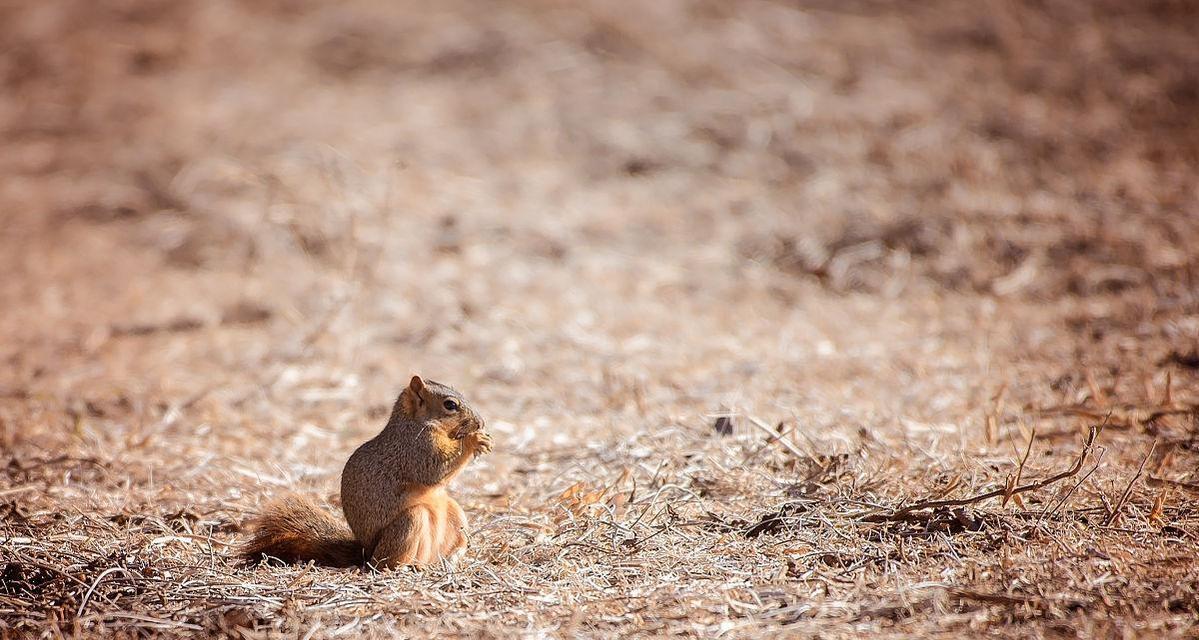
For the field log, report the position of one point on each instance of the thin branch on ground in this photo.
(787, 444)
(899, 514)
(1115, 514)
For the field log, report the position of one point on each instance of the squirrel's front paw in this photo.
(482, 442)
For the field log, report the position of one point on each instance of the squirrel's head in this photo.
(426, 401)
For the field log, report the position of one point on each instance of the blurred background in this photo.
(230, 229)
(534, 192)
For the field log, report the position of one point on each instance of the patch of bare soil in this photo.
(804, 318)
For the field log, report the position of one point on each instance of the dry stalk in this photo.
(899, 514)
(774, 435)
(1014, 480)
(1115, 514)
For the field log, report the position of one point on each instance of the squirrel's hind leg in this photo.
(407, 540)
(422, 534)
(453, 535)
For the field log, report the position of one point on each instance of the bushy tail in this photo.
(296, 529)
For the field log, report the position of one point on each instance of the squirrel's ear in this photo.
(411, 398)
(416, 385)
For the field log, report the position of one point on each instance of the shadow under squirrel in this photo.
(393, 492)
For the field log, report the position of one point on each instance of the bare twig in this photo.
(991, 419)
(1066, 496)
(1015, 479)
(899, 514)
(1115, 514)
(765, 428)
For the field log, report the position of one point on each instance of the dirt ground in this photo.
(740, 288)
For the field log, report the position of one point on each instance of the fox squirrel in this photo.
(393, 491)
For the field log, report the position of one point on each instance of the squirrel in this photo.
(393, 492)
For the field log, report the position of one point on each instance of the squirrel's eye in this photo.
(450, 404)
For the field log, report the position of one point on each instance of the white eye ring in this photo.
(450, 404)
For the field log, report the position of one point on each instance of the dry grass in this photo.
(787, 317)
